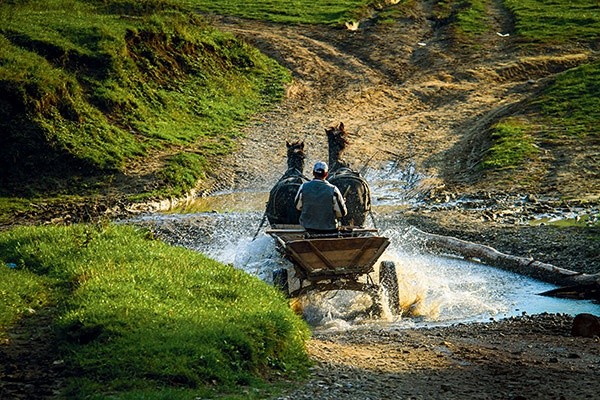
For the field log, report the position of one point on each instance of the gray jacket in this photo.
(320, 204)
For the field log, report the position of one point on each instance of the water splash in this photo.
(433, 290)
(397, 184)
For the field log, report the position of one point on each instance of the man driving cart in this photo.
(321, 204)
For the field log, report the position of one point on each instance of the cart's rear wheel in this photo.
(280, 280)
(388, 279)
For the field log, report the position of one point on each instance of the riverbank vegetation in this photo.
(138, 318)
(95, 93)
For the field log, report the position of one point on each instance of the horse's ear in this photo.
(302, 145)
(287, 144)
(341, 126)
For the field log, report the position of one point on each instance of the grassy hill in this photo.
(132, 100)
(135, 318)
(90, 92)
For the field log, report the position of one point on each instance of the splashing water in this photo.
(433, 290)
(395, 185)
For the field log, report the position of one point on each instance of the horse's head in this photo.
(337, 138)
(295, 155)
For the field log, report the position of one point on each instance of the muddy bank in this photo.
(573, 248)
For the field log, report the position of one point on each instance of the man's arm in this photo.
(298, 199)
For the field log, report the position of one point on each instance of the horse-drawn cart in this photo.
(340, 261)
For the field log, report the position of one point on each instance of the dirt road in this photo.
(406, 92)
(524, 358)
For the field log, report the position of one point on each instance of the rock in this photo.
(586, 325)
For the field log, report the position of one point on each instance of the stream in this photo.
(434, 290)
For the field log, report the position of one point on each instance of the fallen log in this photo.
(577, 292)
(575, 282)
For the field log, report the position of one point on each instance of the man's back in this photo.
(319, 201)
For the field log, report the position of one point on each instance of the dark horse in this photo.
(353, 186)
(280, 207)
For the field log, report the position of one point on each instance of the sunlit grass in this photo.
(139, 314)
(472, 18)
(556, 21)
(571, 104)
(556, 133)
(512, 145)
(22, 294)
(97, 89)
(296, 11)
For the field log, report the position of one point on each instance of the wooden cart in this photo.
(340, 261)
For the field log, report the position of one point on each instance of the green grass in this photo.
(91, 91)
(141, 319)
(556, 21)
(512, 145)
(560, 128)
(468, 18)
(295, 11)
(570, 106)
(472, 18)
(536, 21)
(567, 111)
(22, 294)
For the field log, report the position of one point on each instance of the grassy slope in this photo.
(89, 92)
(557, 134)
(89, 97)
(137, 315)
(298, 11)
(550, 145)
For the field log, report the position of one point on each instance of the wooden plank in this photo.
(284, 231)
(302, 230)
(338, 256)
(318, 253)
(360, 252)
(301, 262)
(338, 244)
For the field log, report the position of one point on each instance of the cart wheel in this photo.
(388, 279)
(280, 280)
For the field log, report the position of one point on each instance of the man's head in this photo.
(320, 170)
